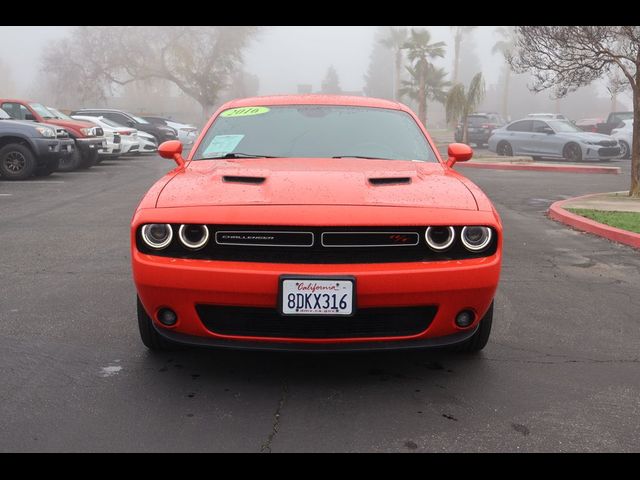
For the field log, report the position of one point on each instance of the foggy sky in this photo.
(282, 56)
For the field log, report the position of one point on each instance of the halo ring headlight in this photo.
(190, 244)
(440, 245)
(476, 239)
(157, 235)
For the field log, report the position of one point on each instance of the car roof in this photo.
(335, 100)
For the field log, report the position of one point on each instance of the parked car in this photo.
(87, 137)
(624, 135)
(589, 124)
(547, 116)
(29, 148)
(187, 134)
(481, 126)
(316, 223)
(148, 143)
(160, 132)
(128, 142)
(614, 120)
(552, 139)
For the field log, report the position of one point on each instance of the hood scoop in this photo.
(381, 182)
(244, 180)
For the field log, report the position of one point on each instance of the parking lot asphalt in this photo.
(561, 373)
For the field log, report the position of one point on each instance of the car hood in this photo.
(316, 182)
(587, 137)
(75, 124)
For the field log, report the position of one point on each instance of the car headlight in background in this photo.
(88, 132)
(194, 237)
(440, 239)
(476, 239)
(157, 236)
(46, 132)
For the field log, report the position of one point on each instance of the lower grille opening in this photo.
(268, 323)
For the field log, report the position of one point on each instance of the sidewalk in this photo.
(604, 202)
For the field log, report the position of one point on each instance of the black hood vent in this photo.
(246, 180)
(380, 182)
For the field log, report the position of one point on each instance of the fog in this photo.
(279, 59)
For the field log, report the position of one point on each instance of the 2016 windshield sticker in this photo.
(245, 112)
(223, 145)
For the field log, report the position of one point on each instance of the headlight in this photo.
(46, 132)
(194, 237)
(476, 239)
(157, 236)
(88, 132)
(440, 239)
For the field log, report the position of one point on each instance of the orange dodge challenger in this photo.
(315, 223)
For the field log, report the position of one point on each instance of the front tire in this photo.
(505, 149)
(479, 341)
(70, 162)
(16, 162)
(626, 150)
(148, 333)
(572, 152)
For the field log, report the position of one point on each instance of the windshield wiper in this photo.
(360, 157)
(235, 156)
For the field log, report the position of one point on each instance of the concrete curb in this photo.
(558, 213)
(543, 168)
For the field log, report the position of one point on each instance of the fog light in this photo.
(167, 317)
(465, 319)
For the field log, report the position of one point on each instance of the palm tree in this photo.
(458, 37)
(505, 46)
(420, 51)
(461, 103)
(395, 42)
(436, 85)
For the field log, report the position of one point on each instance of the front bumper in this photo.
(88, 146)
(450, 286)
(50, 150)
(595, 152)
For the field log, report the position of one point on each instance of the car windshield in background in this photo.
(478, 121)
(4, 115)
(141, 121)
(316, 132)
(564, 127)
(111, 123)
(59, 114)
(619, 117)
(42, 111)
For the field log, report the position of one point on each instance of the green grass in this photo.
(629, 221)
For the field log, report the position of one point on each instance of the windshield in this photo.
(139, 120)
(111, 123)
(42, 111)
(564, 127)
(4, 115)
(315, 131)
(59, 114)
(619, 117)
(477, 121)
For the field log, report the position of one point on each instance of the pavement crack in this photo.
(266, 446)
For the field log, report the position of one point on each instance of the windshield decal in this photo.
(245, 112)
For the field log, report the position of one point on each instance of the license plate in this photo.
(306, 296)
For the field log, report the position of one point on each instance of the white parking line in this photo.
(6, 194)
(31, 183)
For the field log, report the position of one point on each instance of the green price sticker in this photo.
(245, 112)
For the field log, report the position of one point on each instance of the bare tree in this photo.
(199, 60)
(564, 58)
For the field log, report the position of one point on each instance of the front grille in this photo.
(117, 139)
(609, 152)
(608, 143)
(268, 323)
(329, 245)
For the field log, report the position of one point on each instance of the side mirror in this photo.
(29, 117)
(459, 152)
(548, 131)
(172, 151)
